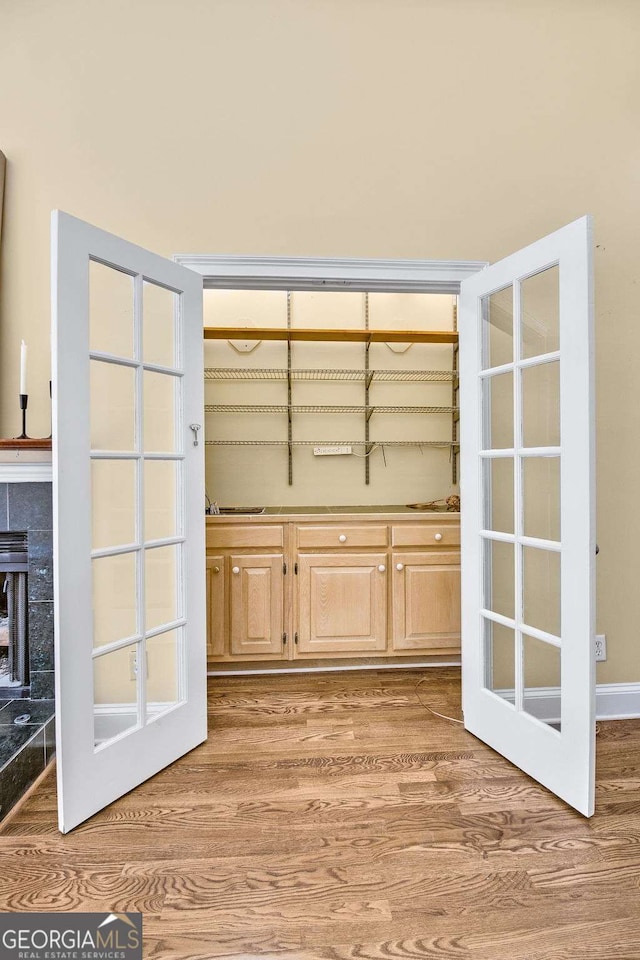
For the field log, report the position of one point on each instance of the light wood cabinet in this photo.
(243, 536)
(342, 604)
(290, 588)
(341, 535)
(436, 534)
(216, 608)
(426, 601)
(256, 604)
(245, 591)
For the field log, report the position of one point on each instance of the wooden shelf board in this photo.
(315, 334)
(29, 444)
(219, 374)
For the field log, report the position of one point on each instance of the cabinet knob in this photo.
(236, 569)
(438, 536)
(342, 538)
(216, 569)
(382, 568)
(399, 566)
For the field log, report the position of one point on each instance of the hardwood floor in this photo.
(332, 817)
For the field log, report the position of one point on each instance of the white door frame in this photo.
(330, 273)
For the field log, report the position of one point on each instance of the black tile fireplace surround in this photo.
(27, 721)
(13, 608)
(26, 507)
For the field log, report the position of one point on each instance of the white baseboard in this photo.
(113, 719)
(264, 671)
(617, 701)
(614, 701)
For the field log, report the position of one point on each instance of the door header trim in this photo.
(330, 273)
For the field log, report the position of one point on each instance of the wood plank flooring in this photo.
(332, 817)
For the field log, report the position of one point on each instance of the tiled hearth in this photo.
(27, 743)
(27, 722)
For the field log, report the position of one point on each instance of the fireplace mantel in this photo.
(25, 461)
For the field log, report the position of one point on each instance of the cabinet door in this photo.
(426, 601)
(215, 606)
(342, 603)
(256, 588)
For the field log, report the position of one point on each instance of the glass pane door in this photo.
(137, 463)
(521, 459)
(129, 531)
(527, 510)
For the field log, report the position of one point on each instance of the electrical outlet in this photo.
(336, 451)
(601, 647)
(133, 665)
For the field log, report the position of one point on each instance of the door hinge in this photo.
(295, 637)
(284, 567)
(284, 639)
(295, 568)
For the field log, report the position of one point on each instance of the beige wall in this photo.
(441, 128)
(3, 166)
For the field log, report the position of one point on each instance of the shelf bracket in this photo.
(367, 384)
(455, 416)
(289, 423)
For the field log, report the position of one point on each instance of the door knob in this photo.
(342, 538)
(382, 568)
(399, 566)
(236, 569)
(216, 569)
(438, 536)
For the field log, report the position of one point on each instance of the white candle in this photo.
(23, 368)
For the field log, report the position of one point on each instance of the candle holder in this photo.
(24, 398)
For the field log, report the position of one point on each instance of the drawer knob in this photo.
(438, 536)
(236, 569)
(382, 568)
(342, 538)
(216, 569)
(399, 566)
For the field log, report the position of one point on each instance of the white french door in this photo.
(528, 526)
(128, 515)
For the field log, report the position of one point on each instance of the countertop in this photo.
(388, 512)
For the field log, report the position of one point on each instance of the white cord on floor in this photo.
(442, 716)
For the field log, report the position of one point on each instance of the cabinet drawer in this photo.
(341, 535)
(239, 535)
(425, 535)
